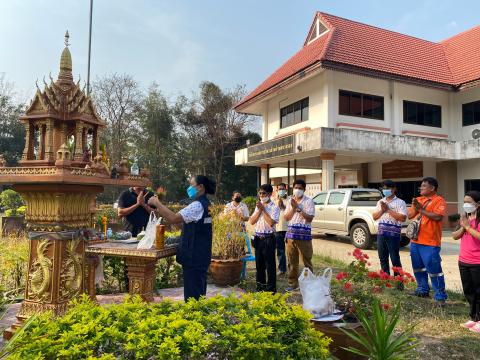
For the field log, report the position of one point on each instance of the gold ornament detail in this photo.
(45, 170)
(71, 277)
(40, 273)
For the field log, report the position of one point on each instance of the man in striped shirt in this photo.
(265, 217)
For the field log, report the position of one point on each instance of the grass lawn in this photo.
(438, 330)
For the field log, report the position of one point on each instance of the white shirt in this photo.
(241, 209)
(307, 206)
(192, 212)
(388, 224)
(261, 226)
(282, 223)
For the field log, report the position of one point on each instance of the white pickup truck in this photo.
(348, 212)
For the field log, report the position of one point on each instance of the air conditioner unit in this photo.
(476, 134)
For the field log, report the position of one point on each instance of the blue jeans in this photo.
(426, 261)
(388, 247)
(282, 260)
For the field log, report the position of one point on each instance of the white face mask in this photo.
(265, 199)
(298, 192)
(469, 208)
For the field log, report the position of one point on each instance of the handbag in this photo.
(413, 228)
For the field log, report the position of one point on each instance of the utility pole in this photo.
(89, 48)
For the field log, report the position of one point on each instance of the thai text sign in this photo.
(402, 169)
(273, 148)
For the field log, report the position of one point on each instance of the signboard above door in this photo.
(402, 169)
(272, 148)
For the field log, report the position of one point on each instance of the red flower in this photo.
(388, 285)
(386, 307)
(341, 275)
(348, 286)
(373, 275)
(377, 289)
(365, 256)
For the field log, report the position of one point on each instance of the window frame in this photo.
(336, 192)
(363, 99)
(302, 107)
(424, 107)
(324, 201)
(474, 120)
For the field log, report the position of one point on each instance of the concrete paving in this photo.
(338, 248)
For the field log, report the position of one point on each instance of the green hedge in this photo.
(254, 326)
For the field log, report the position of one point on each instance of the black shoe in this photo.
(420, 295)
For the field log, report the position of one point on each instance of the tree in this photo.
(211, 127)
(157, 144)
(12, 131)
(118, 98)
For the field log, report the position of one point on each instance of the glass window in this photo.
(320, 199)
(361, 105)
(473, 184)
(366, 195)
(294, 113)
(422, 114)
(335, 198)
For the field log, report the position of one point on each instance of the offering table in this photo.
(140, 265)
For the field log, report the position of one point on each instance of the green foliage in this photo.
(251, 202)
(380, 341)
(10, 200)
(228, 240)
(109, 212)
(22, 210)
(13, 263)
(254, 326)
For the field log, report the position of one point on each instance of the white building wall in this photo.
(315, 89)
(463, 132)
(466, 170)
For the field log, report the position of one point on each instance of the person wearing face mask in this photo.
(390, 212)
(282, 228)
(237, 206)
(469, 257)
(425, 250)
(264, 218)
(195, 249)
(299, 213)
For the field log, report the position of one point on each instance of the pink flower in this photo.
(348, 286)
(341, 275)
(386, 307)
(377, 289)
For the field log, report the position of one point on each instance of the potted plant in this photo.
(12, 220)
(228, 245)
(355, 290)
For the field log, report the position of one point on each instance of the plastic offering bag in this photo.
(148, 241)
(316, 292)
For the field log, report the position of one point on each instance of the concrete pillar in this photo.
(328, 168)
(264, 174)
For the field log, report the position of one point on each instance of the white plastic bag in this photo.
(316, 292)
(148, 241)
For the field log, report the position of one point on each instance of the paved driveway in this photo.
(338, 247)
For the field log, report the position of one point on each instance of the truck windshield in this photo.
(366, 195)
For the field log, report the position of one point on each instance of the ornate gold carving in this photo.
(63, 153)
(40, 274)
(28, 309)
(136, 286)
(82, 172)
(41, 170)
(3, 163)
(99, 249)
(71, 276)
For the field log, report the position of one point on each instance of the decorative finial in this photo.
(67, 36)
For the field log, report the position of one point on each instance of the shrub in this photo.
(228, 240)
(11, 200)
(254, 326)
(13, 263)
(251, 202)
(109, 212)
(22, 210)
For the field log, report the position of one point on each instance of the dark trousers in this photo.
(388, 247)
(470, 275)
(280, 243)
(265, 262)
(194, 282)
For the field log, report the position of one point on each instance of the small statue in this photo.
(123, 170)
(3, 162)
(114, 172)
(86, 156)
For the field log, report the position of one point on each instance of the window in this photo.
(422, 114)
(473, 184)
(366, 195)
(320, 199)
(471, 113)
(294, 113)
(361, 105)
(335, 198)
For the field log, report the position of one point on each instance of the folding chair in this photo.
(248, 256)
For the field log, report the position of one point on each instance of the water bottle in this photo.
(109, 233)
(134, 170)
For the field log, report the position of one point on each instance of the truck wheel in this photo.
(360, 236)
(404, 241)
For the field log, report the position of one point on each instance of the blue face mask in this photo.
(192, 192)
(387, 192)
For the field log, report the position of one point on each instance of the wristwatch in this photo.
(298, 210)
